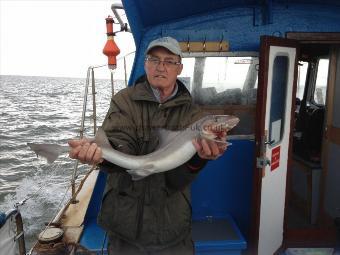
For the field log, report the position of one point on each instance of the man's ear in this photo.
(180, 68)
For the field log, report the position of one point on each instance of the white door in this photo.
(276, 81)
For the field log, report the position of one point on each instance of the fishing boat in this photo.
(275, 65)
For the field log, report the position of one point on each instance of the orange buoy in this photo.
(111, 49)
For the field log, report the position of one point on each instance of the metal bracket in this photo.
(18, 236)
(262, 162)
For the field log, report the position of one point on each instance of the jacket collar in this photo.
(142, 92)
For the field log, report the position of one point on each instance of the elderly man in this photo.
(152, 215)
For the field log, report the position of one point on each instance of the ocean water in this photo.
(42, 110)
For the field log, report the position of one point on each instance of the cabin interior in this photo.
(312, 207)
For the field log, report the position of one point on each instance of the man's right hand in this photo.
(85, 152)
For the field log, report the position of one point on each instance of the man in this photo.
(152, 215)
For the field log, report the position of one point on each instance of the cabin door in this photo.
(274, 115)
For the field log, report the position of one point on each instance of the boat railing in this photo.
(90, 76)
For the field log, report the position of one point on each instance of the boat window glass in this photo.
(221, 80)
(278, 98)
(321, 82)
(301, 81)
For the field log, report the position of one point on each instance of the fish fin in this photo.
(165, 137)
(101, 139)
(137, 175)
(48, 151)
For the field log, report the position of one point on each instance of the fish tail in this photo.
(49, 151)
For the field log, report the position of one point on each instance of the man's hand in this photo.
(208, 149)
(86, 152)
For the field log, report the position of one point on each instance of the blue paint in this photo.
(268, 13)
(93, 236)
(227, 240)
(95, 202)
(224, 186)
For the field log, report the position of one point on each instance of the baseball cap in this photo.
(166, 42)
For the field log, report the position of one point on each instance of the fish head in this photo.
(215, 127)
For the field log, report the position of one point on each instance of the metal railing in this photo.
(91, 76)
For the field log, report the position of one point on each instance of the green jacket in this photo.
(155, 212)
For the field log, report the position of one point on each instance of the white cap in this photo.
(166, 42)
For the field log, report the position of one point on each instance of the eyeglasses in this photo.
(167, 63)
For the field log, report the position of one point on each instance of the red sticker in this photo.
(275, 163)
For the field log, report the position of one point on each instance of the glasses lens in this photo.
(167, 63)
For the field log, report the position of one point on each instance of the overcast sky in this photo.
(55, 38)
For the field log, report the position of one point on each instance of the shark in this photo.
(174, 148)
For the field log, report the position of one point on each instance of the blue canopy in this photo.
(240, 22)
(144, 14)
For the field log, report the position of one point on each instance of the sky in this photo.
(55, 38)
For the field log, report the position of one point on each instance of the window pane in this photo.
(321, 82)
(302, 75)
(278, 98)
(221, 80)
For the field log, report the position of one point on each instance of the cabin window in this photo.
(321, 82)
(278, 98)
(221, 80)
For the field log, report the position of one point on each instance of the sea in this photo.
(43, 110)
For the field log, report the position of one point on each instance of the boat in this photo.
(275, 65)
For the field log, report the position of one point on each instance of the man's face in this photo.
(162, 68)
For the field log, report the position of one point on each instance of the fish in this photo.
(174, 148)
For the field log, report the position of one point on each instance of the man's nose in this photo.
(160, 66)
